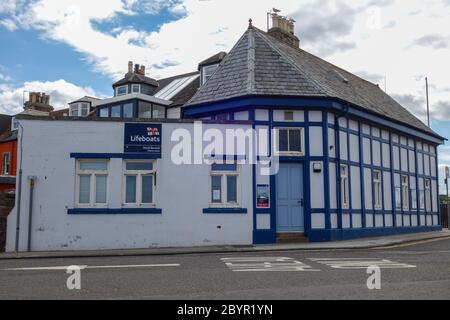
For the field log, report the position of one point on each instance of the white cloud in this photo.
(4, 77)
(61, 92)
(9, 24)
(370, 37)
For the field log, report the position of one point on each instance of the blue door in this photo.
(290, 213)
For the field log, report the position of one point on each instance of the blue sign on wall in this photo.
(143, 138)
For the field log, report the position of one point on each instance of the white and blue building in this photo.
(352, 161)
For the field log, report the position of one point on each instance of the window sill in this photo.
(88, 211)
(290, 154)
(223, 210)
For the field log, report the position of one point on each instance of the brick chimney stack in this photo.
(130, 66)
(142, 70)
(283, 30)
(38, 101)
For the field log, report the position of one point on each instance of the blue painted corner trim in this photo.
(225, 211)
(94, 211)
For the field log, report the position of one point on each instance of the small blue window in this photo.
(104, 113)
(115, 112)
(223, 117)
(128, 110)
(123, 90)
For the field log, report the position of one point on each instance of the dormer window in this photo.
(207, 72)
(79, 110)
(122, 90)
(135, 88)
(74, 110)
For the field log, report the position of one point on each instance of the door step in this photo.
(291, 237)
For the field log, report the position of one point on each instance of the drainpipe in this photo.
(30, 214)
(19, 192)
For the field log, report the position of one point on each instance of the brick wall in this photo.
(6, 204)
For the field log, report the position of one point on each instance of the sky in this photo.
(72, 48)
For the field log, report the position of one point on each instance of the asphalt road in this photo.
(419, 271)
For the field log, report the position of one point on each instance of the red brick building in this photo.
(8, 155)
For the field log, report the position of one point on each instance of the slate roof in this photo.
(132, 77)
(260, 64)
(92, 100)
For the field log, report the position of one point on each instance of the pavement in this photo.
(366, 243)
(415, 270)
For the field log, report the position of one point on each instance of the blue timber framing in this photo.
(362, 118)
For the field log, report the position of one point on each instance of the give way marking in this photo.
(359, 263)
(266, 264)
(93, 267)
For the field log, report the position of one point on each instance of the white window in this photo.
(79, 110)
(92, 181)
(289, 141)
(345, 199)
(428, 195)
(377, 190)
(74, 110)
(139, 181)
(121, 91)
(224, 185)
(414, 199)
(84, 109)
(207, 72)
(405, 192)
(422, 199)
(398, 198)
(135, 88)
(6, 164)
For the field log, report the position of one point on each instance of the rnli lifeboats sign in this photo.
(143, 138)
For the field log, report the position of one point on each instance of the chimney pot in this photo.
(283, 29)
(142, 70)
(136, 68)
(130, 66)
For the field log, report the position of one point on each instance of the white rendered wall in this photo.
(182, 192)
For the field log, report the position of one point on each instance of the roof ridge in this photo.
(289, 60)
(251, 62)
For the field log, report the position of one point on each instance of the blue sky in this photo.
(70, 48)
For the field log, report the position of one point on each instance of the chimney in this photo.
(38, 101)
(136, 68)
(283, 30)
(130, 66)
(142, 70)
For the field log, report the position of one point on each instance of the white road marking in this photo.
(361, 263)
(265, 264)
(93, 267)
